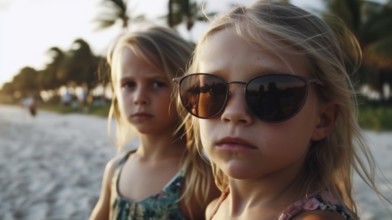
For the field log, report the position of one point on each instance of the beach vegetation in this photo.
(68, 82)
(375, 117)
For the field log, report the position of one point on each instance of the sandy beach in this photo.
(51, 166)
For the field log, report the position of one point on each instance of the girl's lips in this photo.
(141, 116)
(234, 145)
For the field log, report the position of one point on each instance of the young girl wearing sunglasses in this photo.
(272, 105)
(164, 178)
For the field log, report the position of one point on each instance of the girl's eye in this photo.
(158, 84)
(128, 85)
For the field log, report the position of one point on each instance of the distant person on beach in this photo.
(286, 151)
(81, 95)
(30, 104)
(66, 98)
(165, 178)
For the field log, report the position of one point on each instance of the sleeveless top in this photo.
(323, 201)
(162, 206)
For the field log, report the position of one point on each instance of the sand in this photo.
(51, 166)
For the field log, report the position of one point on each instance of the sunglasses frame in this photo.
(307, 83)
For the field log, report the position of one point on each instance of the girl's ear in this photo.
(326, 123)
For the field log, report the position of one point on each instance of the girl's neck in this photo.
(269, 195)
(160, 147)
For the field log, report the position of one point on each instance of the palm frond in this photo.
(379, 53)
(114, 10)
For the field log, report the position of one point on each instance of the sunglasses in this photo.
(271, 97)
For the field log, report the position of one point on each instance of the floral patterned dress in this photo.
(162, 206)
(319, 201)
(324, 201)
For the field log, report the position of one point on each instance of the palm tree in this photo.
(80, 65)
(25, 81)
(371, 22)
(185, 11)
(48, 79)
(8, 89)
(116, 10)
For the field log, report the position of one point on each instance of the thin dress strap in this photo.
(221, 199)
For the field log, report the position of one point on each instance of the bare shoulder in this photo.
(110, 168)
(101, 209)
(211, 208)
(319, 215)
(112, 164)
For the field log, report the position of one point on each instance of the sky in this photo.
(29, 28)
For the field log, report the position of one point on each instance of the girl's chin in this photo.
(239, 170)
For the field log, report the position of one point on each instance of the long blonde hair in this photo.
(164, 49)
(334, 54)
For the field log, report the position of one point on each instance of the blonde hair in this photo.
(165, 50)
(334, 54)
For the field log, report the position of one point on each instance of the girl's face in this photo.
(236, 140)
(144, 95)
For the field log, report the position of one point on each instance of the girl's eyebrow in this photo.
(125, 78)
(158, 77)
(152, 77)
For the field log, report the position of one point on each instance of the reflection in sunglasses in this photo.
(271, 97)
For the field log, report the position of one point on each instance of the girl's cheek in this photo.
(204, 128)
(206, 132)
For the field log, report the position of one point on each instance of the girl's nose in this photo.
(236, 110)
(140, 97)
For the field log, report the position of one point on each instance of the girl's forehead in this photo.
(226, 48)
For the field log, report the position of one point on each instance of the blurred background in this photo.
(54, 51)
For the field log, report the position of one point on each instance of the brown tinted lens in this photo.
(203, 95)
(275, 98)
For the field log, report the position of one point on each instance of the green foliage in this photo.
(371, 22)
(62, 109)
(186, 11)
(26, 81)
(101, 111)
(76, 67)
(116, 11)
(378, 118)
(91, 109)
